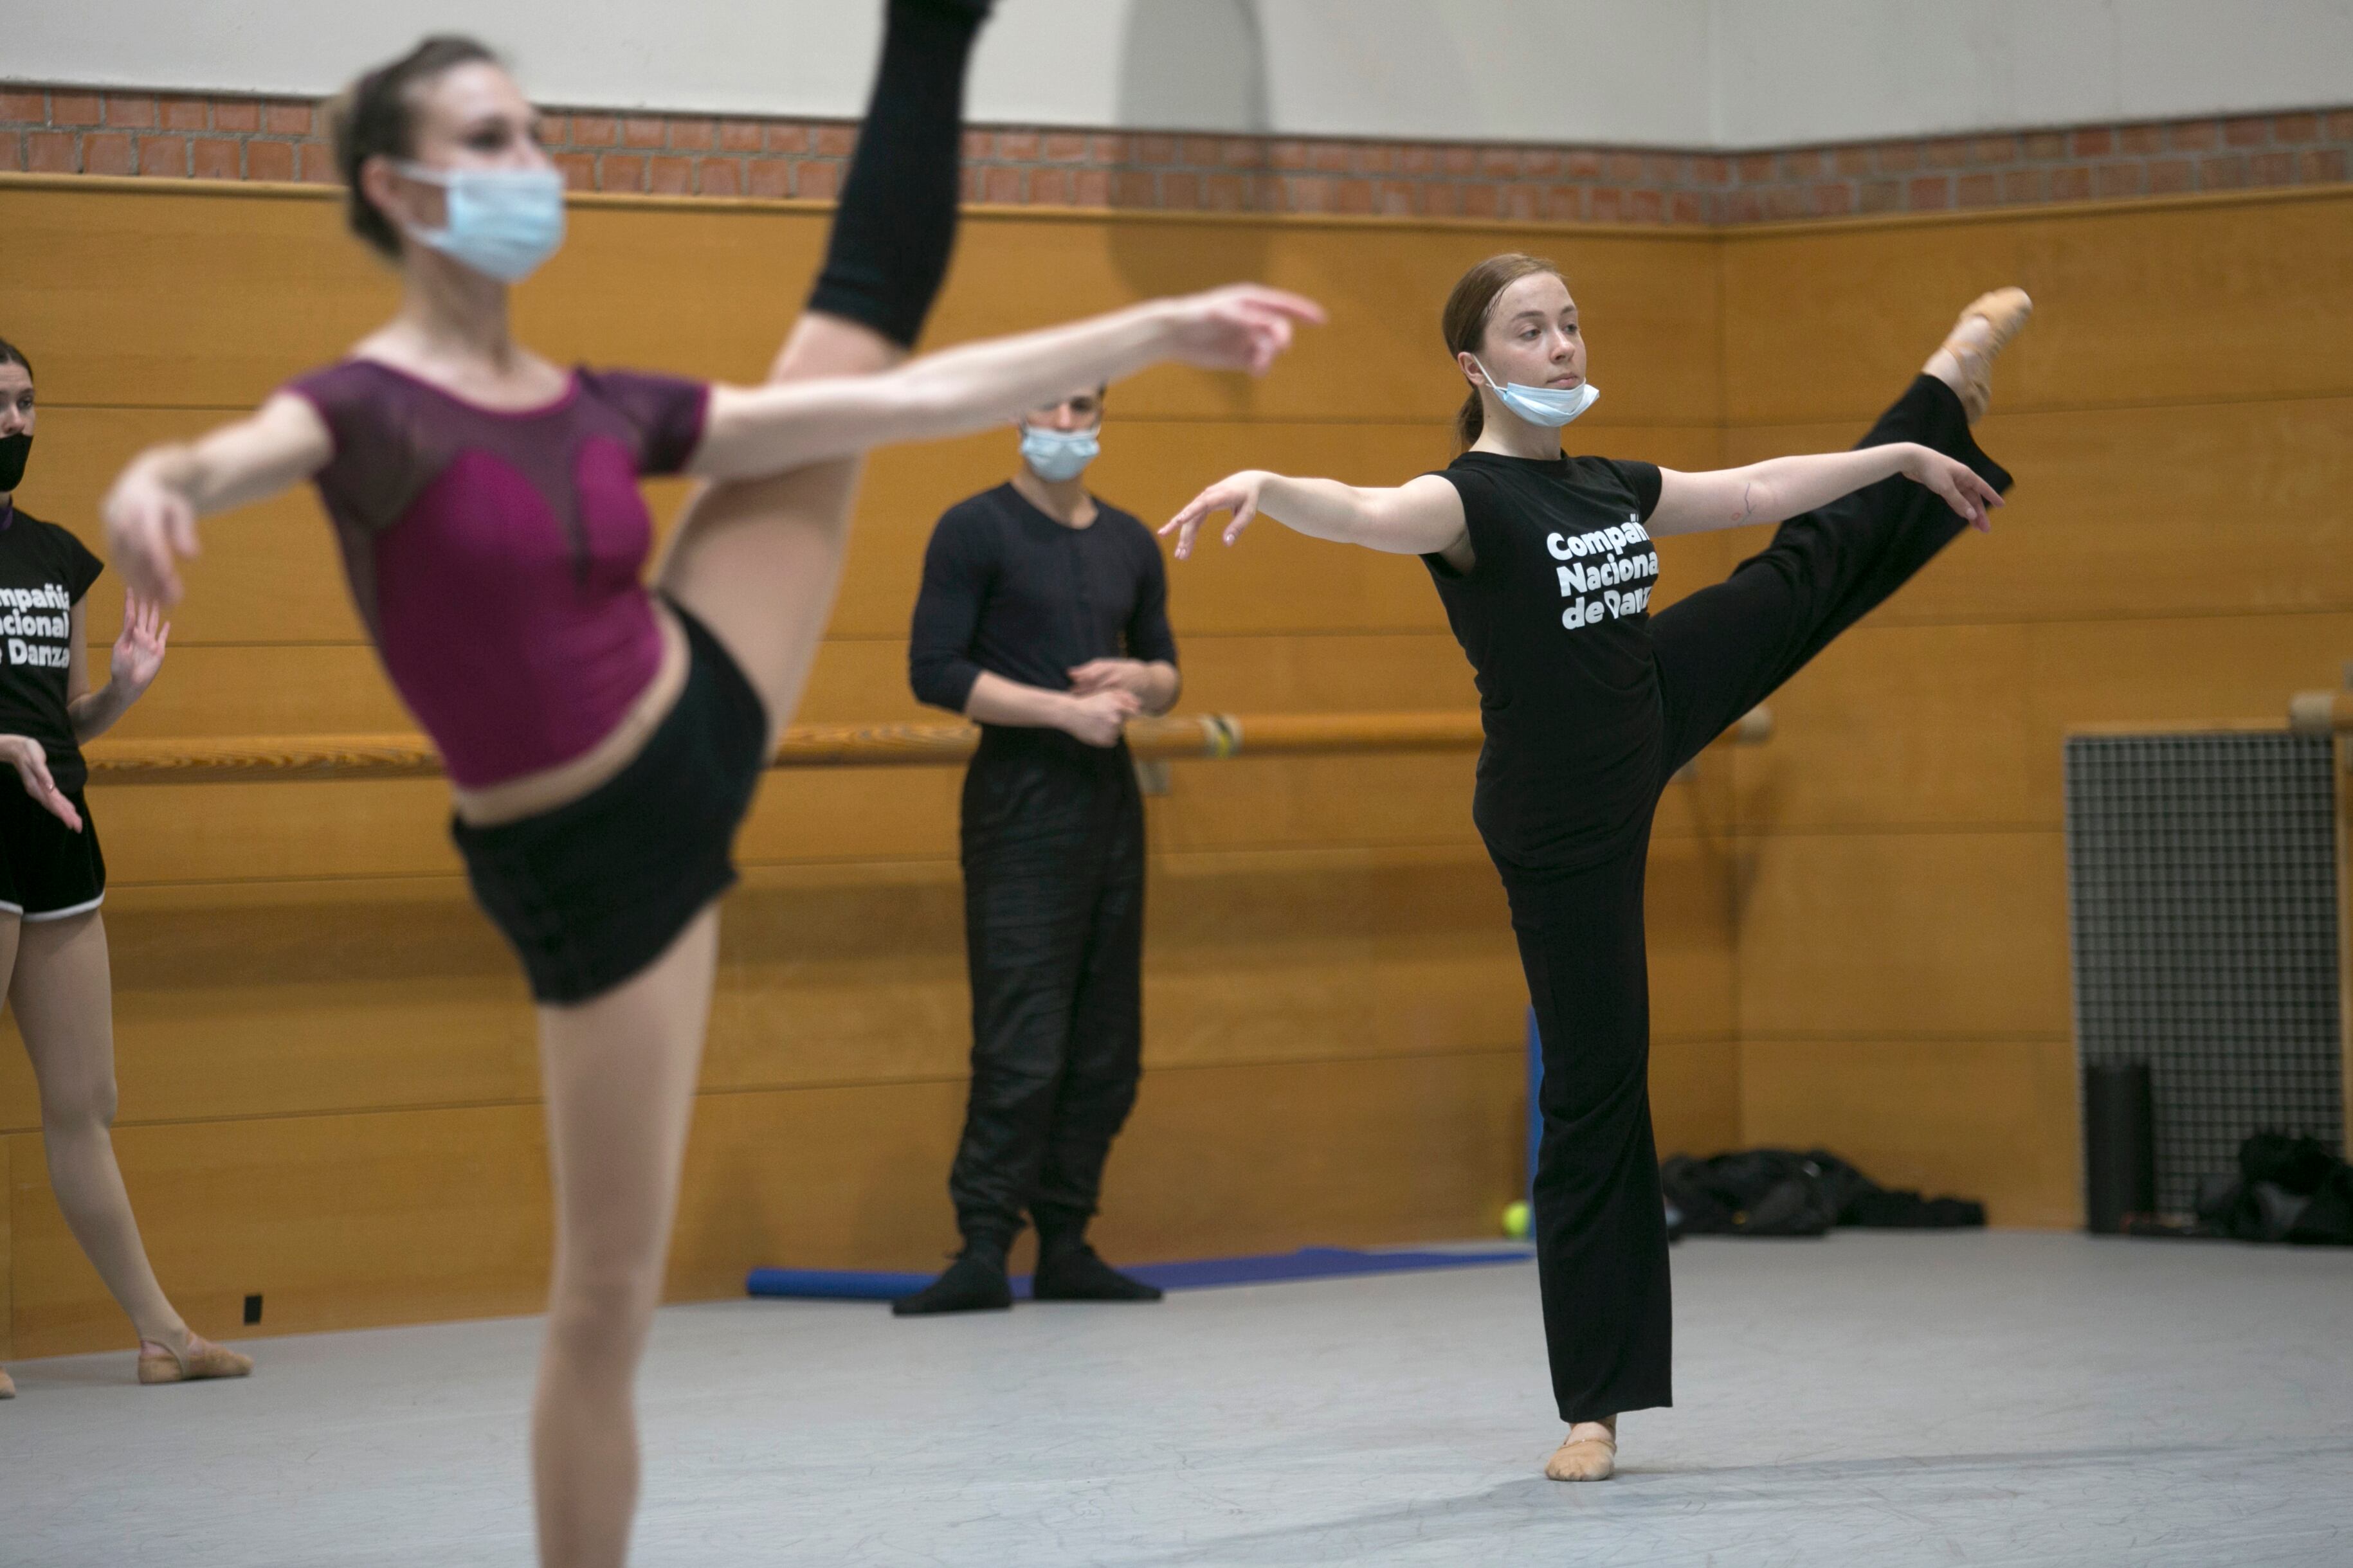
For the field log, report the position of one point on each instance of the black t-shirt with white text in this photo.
(1554, 616)
(44, 572)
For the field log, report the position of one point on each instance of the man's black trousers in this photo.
(1053, 881)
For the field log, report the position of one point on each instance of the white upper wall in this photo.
(1794, 71)
(1686, 73)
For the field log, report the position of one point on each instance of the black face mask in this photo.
(13, 450)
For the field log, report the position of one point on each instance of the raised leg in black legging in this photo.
(757, 560)
(1726, 649)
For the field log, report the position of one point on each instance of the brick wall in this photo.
(87, 130)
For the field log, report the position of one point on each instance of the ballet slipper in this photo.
(1590, 1457)
(7, 1387)
(202, 1359)
(1973, 348)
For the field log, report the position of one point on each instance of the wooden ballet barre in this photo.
(2321, 713)
(258, 758)
(1202, 735)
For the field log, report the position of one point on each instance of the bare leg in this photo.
(62, 989)
(758, 562)
(619, 1073)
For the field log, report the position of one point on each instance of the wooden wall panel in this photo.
(259, 689)
(300, 998)
(1695, 1102)
(1904, 936)
(293, 998)
(183, 297)
(202, 299)
(2187, 306)
(2176, 416)
(337, 1221)
(1926, 726)
(1651, 304)
(1276, 1156)
(1994, 1121)
(1258, 1157)
(1863, 944)
(415, 1215)
(268, 573)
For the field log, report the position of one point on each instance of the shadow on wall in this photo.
(1194, 62)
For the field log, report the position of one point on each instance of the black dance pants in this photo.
(1601, 1240)
(1053, 899)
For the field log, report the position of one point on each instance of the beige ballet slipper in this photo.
(202, 1359)
(1973, 348)
(1589, 1453)
(7, 1387)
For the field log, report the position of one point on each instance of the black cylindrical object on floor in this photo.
(2119, 1146)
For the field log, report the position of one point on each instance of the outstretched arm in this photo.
(1779, 488)
(756, 431)
(151, 514)
(1420, 517)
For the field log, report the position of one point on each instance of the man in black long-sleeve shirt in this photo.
(1044, 617)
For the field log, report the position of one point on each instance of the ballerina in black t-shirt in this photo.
(53, 960)
(1591, 704)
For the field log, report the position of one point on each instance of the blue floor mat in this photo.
(1195, 1274)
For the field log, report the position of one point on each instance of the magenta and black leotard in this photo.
(498, 557)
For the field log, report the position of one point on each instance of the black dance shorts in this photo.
(48, 871)
(594, 890)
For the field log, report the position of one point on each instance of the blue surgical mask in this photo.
(1552, 407)
(502, 223)
(1057, 455)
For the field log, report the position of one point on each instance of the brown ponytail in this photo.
(1464, 323)
(377, 114)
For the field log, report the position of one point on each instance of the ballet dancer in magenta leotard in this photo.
(603, 736)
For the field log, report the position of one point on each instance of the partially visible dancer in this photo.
(603, 739)
(53, 963)
(1044, 616)
(1545, 566)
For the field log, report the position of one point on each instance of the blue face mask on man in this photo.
(502, 223)
(1055, 456)
(1551, 406)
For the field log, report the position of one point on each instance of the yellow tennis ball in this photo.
(1515, 1221)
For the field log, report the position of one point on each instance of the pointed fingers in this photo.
(1187, 522)
(1297, 307)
